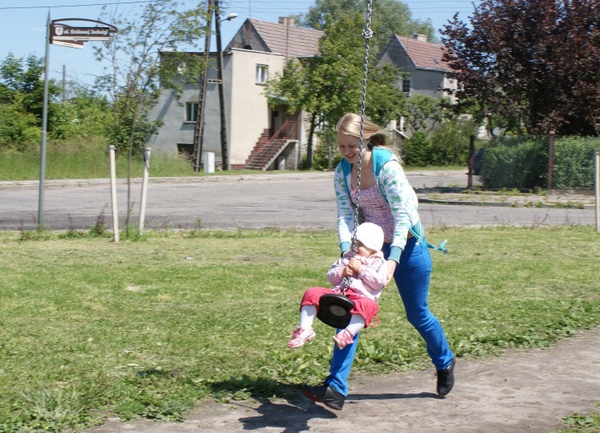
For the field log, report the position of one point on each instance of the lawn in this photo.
(90, 328)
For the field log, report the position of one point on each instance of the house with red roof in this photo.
(423, 70)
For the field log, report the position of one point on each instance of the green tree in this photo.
(22, 95)
(425, 113)
(536, 63)
(389, 17)
(18, 129)
(88, 113)
(135, 75)
(450, 142)
(330, 84)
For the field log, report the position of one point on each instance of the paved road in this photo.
(286, 200)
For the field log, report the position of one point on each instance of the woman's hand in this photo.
(391, 265)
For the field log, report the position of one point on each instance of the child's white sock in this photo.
(307, 316)
(357, 322)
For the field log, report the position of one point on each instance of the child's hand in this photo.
(354, 265)
(347, 272)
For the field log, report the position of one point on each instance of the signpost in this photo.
(58, 33)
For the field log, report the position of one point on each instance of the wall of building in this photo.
(249, 113)
(177, 133)
(246, 108)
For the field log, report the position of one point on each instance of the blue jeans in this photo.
(412, 278)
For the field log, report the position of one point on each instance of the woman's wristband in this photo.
(395, 253)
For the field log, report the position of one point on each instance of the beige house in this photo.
(257, 137)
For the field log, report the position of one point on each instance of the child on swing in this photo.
(367, 272)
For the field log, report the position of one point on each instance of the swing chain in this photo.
(367, 34)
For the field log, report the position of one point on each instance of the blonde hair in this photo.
(349, 124)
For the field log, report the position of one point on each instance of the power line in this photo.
(77, 6)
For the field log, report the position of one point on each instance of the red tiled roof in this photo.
(286, 40)
(425, 55)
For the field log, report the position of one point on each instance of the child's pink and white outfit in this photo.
(364, 289)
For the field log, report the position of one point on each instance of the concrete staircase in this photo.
(268, 148)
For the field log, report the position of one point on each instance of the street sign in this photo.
(70, 44)
(65, 33)
(58, 33)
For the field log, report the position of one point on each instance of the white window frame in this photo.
(262, 73)
(191, 113)
(406, 83)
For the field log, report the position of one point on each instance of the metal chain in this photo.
(367, 34)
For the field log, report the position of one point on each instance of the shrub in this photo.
(574, 162)
(416, 150)
(512, 163)
(450, 143)
(18, 130)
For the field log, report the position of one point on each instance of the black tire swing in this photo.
(334, 309)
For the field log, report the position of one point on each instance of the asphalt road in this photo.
(284, 200)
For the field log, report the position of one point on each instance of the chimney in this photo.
(288, 21)
(420, 37)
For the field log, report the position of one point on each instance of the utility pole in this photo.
(212, 9)
(224, 151)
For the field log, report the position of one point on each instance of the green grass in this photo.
(90, 160)
(90, 328)
(581, 423)
(77, 160)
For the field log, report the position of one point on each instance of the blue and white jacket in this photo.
(396, 191)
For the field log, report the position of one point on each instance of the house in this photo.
(257, 136)
(423, 70)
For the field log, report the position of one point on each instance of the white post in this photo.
(146, 154)
(113, 193)
(209, 162)
(597, 192)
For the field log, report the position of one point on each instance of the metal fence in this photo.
(536, 162)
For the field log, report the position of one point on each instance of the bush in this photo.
(417, 149)
(522, 163)
(18, 130)
(512, 163)
(326, 155)
(574, 162)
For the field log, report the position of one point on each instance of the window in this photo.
(261, 74)
(406, 85)
(191, 111)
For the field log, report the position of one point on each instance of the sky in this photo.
(23, 25)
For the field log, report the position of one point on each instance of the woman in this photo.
(386, 199)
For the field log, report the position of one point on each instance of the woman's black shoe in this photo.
(445, 379)
(325, 394)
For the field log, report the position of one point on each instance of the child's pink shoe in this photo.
(343, 338)
(301, 336)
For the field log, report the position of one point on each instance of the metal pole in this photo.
(471, 155)
(224, 151)
(44, 127)
(199, 127)
(597, 192)
(551, 161)
(64, 84)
